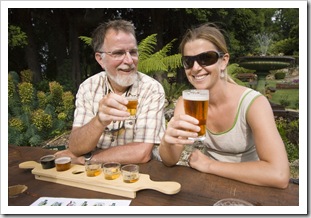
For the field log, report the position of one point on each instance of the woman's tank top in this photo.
(237, 143)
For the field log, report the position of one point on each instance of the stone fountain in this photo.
(263, 64)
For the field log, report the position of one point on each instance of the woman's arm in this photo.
(272, 169)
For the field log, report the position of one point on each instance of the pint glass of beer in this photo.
(132, 106)
(196, 105)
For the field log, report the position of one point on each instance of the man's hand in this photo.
(112, 107)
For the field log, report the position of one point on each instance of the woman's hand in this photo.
(180, 128)
(199, 161)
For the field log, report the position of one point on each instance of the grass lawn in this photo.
(290, 95)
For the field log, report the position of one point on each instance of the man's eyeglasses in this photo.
(203, 59)
(120, 54)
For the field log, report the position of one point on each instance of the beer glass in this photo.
(130, 173)
(132, 106)
(92, 169)
(112, 170)
(196, 105)
(63, 163)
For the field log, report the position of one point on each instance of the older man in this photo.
(101, 129)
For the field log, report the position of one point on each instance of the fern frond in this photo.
(147, 46)
(166, 49)
(151, 65)
(167, 87)
(87, 40)
(173, 61)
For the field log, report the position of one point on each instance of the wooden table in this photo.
(197, 189)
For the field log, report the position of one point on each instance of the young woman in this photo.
(242, 141)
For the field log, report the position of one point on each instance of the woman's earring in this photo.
(222, 74)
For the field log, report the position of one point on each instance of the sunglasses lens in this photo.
(188, 62)
(203, 59)
(207, 58)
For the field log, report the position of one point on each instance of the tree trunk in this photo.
(31, 49)
(74, 51)
(157, 18)
(60, 46)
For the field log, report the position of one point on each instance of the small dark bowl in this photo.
(47, 161)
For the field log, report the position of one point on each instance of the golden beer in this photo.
(130, 173)
(63, 163)
(112, 176)
(112, 173)
(196, 105)
(131, 180)
(132, 106)
(93, 169)
(93, 172)
(112, 170)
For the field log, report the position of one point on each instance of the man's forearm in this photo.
(85, 138)
(129, 153)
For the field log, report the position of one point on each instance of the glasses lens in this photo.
(118, 55)
(203, 59)
(188, 61)
(134, 53)
(207, 58)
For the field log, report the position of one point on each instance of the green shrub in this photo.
(36, 115)
(172, 92)
(26, 76)
(296, 104)
(293, 132)
(234, 70)
(289, 131)
(284, 101)
(41, 120)
(279, 75)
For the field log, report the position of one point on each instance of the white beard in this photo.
(122, 80)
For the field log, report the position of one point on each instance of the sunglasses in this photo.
(203, 59)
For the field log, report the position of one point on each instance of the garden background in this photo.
(49, 56)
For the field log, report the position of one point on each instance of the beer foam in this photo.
(195, 95)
